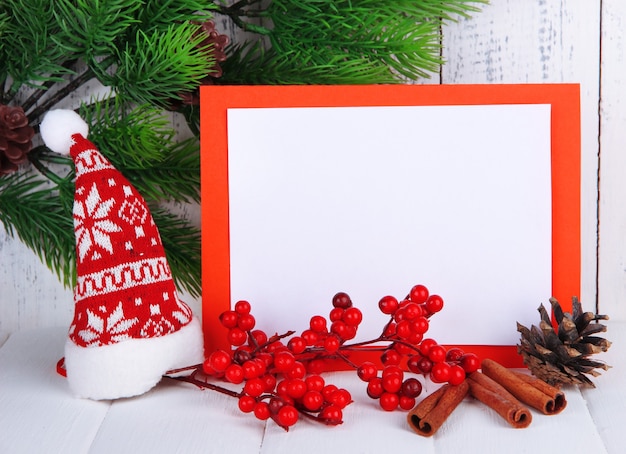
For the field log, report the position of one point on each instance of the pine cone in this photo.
(15, 138)
(562, 356)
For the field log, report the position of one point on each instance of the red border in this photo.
(565, 128)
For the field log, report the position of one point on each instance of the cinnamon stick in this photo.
(499, 399)
(430, 414)
(530, 390)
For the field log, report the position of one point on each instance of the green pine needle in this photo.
(181, 242)
(157, 68)
(32, 209)
(142, 142)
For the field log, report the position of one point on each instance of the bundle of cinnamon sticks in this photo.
(507, 392)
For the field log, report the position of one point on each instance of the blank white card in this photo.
(372, 200)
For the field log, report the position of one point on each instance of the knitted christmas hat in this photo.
(129, 325)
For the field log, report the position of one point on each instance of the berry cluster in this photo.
(281, 374)
(280, 381)
(409, 321)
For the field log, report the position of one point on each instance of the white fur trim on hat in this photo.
(131, 367)
(58, 127)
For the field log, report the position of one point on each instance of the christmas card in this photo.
(471, 190)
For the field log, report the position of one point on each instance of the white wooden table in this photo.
(38, 414)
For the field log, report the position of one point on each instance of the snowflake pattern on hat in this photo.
(124, 284)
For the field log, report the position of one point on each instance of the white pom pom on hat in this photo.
(57, 129)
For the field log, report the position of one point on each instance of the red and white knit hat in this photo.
(129, 325)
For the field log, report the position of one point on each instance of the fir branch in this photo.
(142, 143)
(158, 67)
(252, 64)
(160, 14)
(29, 53)
(181, 242)
(42, 219)
(90, 29)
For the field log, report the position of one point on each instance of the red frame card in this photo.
(565, 160)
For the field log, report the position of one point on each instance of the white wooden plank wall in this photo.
(510, 41)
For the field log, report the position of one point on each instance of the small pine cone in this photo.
(15, 138)
(561, 356)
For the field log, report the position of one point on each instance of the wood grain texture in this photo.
(612, 250)
(37, 411)
(38, 414)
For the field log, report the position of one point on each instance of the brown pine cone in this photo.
(15, 138)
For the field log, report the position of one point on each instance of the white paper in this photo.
(372, 200)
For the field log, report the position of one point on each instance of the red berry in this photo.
(391, 357)
(310, 337)
(229, 319)
(440, 373)
(434, 303)
(246, 322)
(454, 354)
(251, 369)
(413, 363)
(340, 328)
(403, 329)
(393, 370)
(424, 365)
(457, 375)
(342, 300)
(287, 416)
(331, 414)
(256, 337)
(336, 314)
(411, 387)
(412, 311)
(313, 400)
(242, 354)
(418, 294)
(206, 367)
(392, 383)
(327, 390)
(375, 387)
(254, 387)
(237, 336)
(234, 374)
(426, 345)
(437, 354)
(341, 398)
(390, 330)
(269, 382)
(246, 404)
(297, 371)
(415, 339)
(314, 382)
(242, 307)
(284, 361)
(388, 304)
(275, 404)
(332, 343)
(262, 411)
(406, 403)
(389, 401)
(219, 360)
(367, 371)
(296, 344)
(352, 316)
(419, 325)
(470, 362)
(296, 388)
(318, 324)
